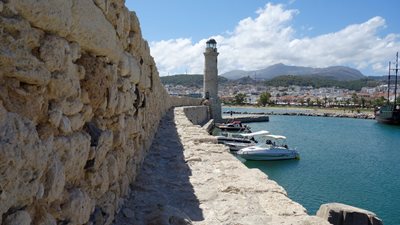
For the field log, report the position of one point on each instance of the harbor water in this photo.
(351, 161)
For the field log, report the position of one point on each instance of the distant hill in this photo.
(321, 81)
(188, 80)
(334, 72)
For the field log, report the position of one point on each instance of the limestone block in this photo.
(77, 121)
(85, 97)
(65, 84)
(104, 146)
(22, 65)
(121, 122)
(46, 219)
(81, 72)
(53, 52)
(102, 4)
(112, 168)
(65, 125)
(98, 181)
(75, 49)
(135, 34)
(28, 100)
(18, 218)
(112, 100)
(51, 15)
(87, 113)
(74, 152)
(55, 180)
(55, 117)
(93, 31)
(145, 79)
(132, 125)
(119, 138)
(135, 71)
(125, 85)
(78, 207)
(100, 76)
(23, 158)
(1, 7)
(124, 64)
(69, 108)
(135, 24)
(337, 213)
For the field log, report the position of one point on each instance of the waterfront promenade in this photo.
(187, 177)
(289, 112)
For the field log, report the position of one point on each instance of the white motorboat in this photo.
(236, 142)
(270, 150)
(233, 126)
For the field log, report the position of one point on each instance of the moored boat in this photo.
(390, 113)
(236, 142)
(233, 126)
(269, 151)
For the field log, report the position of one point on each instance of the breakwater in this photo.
(190, 179)
(316, 114)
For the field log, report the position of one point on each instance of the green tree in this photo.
(308, 101)
(354, 97)
(363, 101)
(240, 98)
(379, 101)
(325, 101)
(264, 98)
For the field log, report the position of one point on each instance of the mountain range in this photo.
(341, 73)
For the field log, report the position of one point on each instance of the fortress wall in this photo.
(198, 115)
(80, 102)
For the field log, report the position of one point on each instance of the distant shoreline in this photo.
(315, 112)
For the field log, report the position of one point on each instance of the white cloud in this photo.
(269, 38)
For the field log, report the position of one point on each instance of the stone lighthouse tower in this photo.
(211, 79)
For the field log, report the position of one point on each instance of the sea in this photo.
(351, 161)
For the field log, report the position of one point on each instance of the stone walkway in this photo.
(187, 178)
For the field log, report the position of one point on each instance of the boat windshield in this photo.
(275, 137)
(262, 132)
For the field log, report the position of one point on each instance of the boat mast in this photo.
(388, 98)
(395, 87)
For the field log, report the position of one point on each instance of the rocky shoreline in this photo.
(315, 114)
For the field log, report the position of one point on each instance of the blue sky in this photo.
(254, 34)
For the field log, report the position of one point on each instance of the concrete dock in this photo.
(246, 118)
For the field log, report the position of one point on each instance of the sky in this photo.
(254, 34)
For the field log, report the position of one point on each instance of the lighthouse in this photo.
(211, 79)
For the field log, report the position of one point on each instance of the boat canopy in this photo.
(261, 132)
(277, 137)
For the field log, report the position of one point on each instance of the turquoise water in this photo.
(352, 161)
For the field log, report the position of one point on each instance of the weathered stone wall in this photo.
(198, 115)
(80, 101)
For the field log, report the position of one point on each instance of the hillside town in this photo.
(293, 95)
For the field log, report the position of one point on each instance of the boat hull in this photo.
(388, 115)
(256, 153)
(234, 147)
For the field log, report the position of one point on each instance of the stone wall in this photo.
(80, 101)
(198, 115)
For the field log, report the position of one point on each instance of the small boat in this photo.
(235, 142)
(269, 151)
(233, 126)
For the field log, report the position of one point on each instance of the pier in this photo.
(246, 118)
(189, 179)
